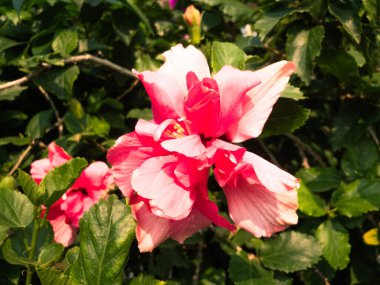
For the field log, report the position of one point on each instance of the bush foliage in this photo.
(73, 59)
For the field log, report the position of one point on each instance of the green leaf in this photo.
(16, 248)
(30, 188)
(50, 276)
(59, 81)
(286, 117)
(17, 4)
(8, 182)
(19, 141)
(310, 203)
(351, 123)
(269, 19)
(145, 114)
(212, 276)
(347, 14)
(38, 124)
(356, 198)
(290, 251)
(3, 234)
(360, 158)
(65, 42)
(246, 269)
(107, 231)
(50, 254)
(319, 179)
(334, 240)
(136, 10)
(292, 92)
(372, 8)
(60, 179)
(16, 209)
(6, 43)
(302, 47)
(10, 94)
(226, 54)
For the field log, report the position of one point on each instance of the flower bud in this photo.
(193, 18)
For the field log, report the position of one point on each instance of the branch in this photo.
(22, 157)
(58, 118)
(269, 153)
(71, 60)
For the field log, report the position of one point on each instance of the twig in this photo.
(126, 92)
(71, 60)
(323, 277)
(58, 118)
(301, 145)
(198, 262)
(269, 153)
(374, 136)
(22, 157)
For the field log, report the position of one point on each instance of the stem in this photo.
(22, 157)
(36, 227)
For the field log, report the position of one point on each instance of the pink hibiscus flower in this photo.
(163, 165)
(92, 184)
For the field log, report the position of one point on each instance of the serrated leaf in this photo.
(292, 92)
(334, 240)
(309, 203)
(302, 47)
(246, 269)
(107, 231)
(319, 179)
(269, 19)
(226, 54)
(19, 141)
(347, 14)
(356, 198)
(38, 124)
(50, 276)
(10, 94)
(65, 42)
(16, 209)
(286, 117)
(30, 187)
(50, 254)
(59, 81)
(146, 279)
(60, 179)
(290, 251)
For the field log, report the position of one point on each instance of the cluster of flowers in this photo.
(163, 166)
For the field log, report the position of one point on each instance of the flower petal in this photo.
(40, 168)
(259, 103)
(190, 146)
(63, 233)
(57, 155)
(155, 180)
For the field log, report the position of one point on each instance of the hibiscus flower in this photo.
(93, 184)
(163, 166)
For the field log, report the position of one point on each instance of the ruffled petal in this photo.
(179, 61)
(233, 85)
(63, 233)
(190, 146)
(260, 100)
(155, 180)
(57, 155)
(39, 168)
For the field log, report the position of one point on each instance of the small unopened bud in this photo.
(193, 18)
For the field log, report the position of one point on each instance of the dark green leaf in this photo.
(269, 19)
(286, 117)
(213, 276)
(74, 125)
(3, 234)
(360, 158)
(289, 252)
(245, 269)
(17, 4)
(145, 114)
(319, 179)
(309, 203)
(59, 81)
(30, 188)
(226, 54)
(6, 43)
(10, 94)
(65, 42)
(107, 231)
(334, 240)
(292, 92)
(145, 279)
(135, 9)
(38, 124)
(50, 254)
(16, 209)
(302, 47)
(60, 179)
(358, 197)
(372, 8)
(19, 141)
(346, 13)
(14, 256)
(50, 276)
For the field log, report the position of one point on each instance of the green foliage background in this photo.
(325, 129)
